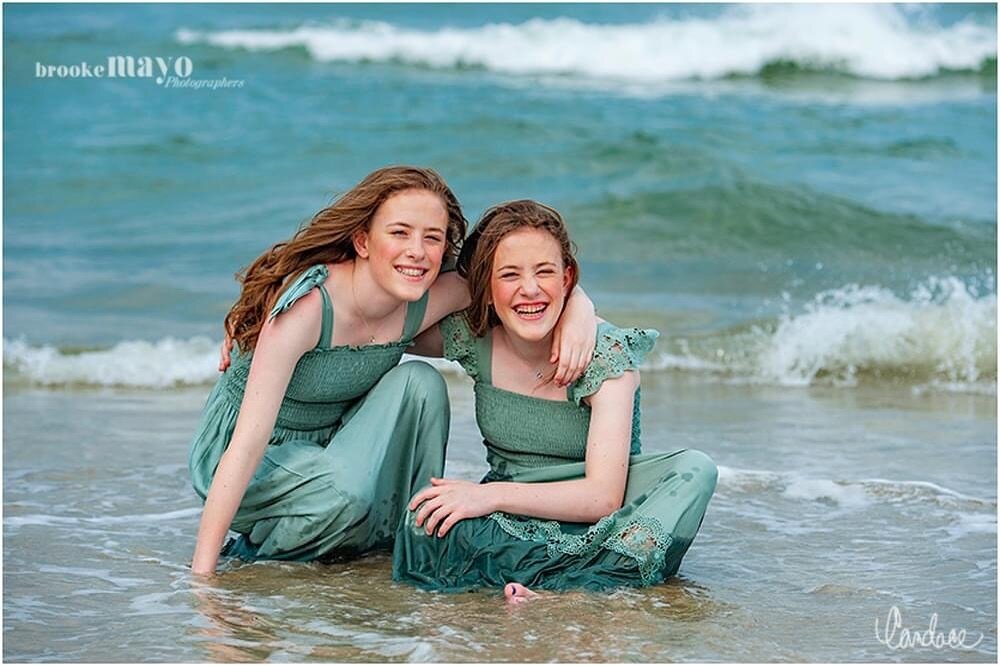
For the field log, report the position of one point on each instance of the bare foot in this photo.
(518, 593)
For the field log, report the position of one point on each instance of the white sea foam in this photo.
(943, 330)
(966, 524)
(941, 337)
(42, 519)
(822, 489)
(850, 493)
(164, 363)
(871, 41)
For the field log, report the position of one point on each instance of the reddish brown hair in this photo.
(475, 262)
(328, 238)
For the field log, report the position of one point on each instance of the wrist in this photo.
(493, 493)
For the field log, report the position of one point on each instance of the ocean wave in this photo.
(851, 493)
(162, 364)
(166, 363)
(864, 41)
(941, 337)
(682, 217)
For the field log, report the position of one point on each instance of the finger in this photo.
(546, 378)
(427, 510)
(568, 369)
(556, 344)
(421, 496)
(425, 494)
(578, 367)
(449, 522)
(562, 368)
(435, 518)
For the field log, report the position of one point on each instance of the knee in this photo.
(699, 468)
(418, 379)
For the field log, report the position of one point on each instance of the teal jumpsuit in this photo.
(357, 434)
(538, 440)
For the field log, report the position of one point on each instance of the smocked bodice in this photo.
(327, 380)
(522, 431)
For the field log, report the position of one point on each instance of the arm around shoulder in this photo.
(448, 294)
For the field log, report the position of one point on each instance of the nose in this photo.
(415, 248)
(529, 285)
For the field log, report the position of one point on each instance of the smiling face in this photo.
(529, 283)
(405, 243)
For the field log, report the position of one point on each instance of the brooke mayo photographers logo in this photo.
(896, 637)
(168, 72)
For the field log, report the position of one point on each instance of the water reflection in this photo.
(352, 611)
(230, 631)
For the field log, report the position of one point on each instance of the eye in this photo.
(399, 232)
(508, 275)
(433, 238)
(546, 271)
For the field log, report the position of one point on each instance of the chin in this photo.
(410, 293)
(530, 332)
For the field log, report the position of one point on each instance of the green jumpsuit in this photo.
(537, 440)
(357, 434)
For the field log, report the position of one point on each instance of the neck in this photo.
(370, 300)
(533, 353)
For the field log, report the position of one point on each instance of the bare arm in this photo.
(599, 493)
(574, 338)
(449, 293)
(429, 343)
(572, 343)
(281, 343)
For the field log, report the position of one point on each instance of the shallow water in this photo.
(811, 226)
(833, 506)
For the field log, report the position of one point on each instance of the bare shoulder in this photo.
(298, 326)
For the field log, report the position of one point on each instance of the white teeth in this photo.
(411, 272)
(530, 310)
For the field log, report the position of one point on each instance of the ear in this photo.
(567, 279)
(360, 240)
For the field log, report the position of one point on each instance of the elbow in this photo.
(605, 505)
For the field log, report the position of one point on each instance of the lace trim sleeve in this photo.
(459, 343)
(618, 350)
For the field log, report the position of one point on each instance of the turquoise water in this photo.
(726, 182)
(802, 198)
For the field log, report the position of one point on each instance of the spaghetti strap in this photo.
(414, 317)
(326, 331)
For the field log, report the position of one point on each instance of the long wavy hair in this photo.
(475, 262)
(329, 238)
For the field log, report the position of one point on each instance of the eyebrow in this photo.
(442, 229)
(537, 265)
